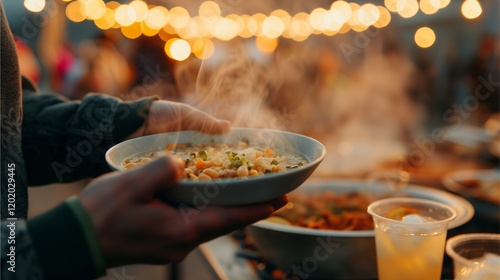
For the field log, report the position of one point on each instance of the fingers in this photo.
(195, 119)
(146, 180)
(166, 116)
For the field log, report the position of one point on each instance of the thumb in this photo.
(148, 179)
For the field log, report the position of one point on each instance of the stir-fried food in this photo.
(212, 161)
(327, 210)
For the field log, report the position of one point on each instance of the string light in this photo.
(471, 9)
(34, 6)
(425, 37)
(138, 18)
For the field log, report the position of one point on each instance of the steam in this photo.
(248, 88)
(363, 112)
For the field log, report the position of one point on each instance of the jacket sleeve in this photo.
(65, 140)
(58, 244)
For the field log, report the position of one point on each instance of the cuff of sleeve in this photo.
(65, 243)
(130, 116)
(88, 230)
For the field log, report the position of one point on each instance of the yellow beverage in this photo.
(409, 256)
(410, 235)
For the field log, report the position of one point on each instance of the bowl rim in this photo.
(255, 179)
(411, 188)
(465, 237)
(452, 182)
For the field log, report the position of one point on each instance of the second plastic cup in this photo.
(476, 256)
(410, 236)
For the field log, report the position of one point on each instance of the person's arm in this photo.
(65, 140)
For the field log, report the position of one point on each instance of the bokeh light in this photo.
(132, 31)
(34, 6)
(407, 8)
(266, 45)
(157, 17)
(74, 11)
(430, 7)
(125, 15)
(140, 18)
(178, 49)
(425, 37)
(273, 27)
(471, 9)
(94, 9)
(107, 21)
(209, 10)
(384, 19)
(141, 10)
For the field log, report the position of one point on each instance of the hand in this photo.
(167, 116)
(133, 226)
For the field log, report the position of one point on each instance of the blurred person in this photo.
(104, 69)
(153, 70)
(28, 63)
(484, 65)
(117, 219)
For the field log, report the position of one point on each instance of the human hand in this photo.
(167, 116)
(134, 226)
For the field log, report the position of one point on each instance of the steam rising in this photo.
(248, 88)
(362, 111)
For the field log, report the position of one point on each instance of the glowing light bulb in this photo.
(471, 9)
(156, 17)
(266, 45)
(125, 15)
(273, 27)
(407, 8)
(209, 10)
(94, 9)
(384, 19)
(74, 11)
(178, 49)
(141, 10)
(368, 14)
(425, 37)
(107, 21)
(34, 6)
(444, 3)
(430, 7)
(391, 5)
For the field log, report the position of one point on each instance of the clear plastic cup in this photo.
(475, 256)
(411, 247)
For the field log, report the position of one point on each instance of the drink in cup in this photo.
(410, 235)
(476, 256)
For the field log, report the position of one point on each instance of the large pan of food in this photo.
(325, 232)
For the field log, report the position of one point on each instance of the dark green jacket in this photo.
(46, 138)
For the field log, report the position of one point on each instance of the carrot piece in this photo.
(170, 147)
(200, 164)
(269, 153)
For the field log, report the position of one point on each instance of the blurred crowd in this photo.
(319, 85)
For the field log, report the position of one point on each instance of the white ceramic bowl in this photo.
(230, 191)
(334, 254)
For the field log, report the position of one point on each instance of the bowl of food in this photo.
(480, 186)
(243, 166)
(325, 231)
